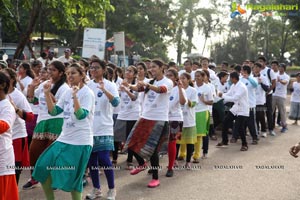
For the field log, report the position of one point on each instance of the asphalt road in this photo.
(265, 172)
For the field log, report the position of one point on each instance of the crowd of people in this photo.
(67, 119)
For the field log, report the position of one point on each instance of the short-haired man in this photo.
(279, 96)
(238, 94)
(271, 77)
(262, 88)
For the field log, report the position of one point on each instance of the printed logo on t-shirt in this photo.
(100, 94)
(199, 94)
(151, 96)
(126, 99)
(171, 98)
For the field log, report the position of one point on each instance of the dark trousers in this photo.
(239, 126)
(205, 144)
(260, 118)
(269, 112)
(251, 124)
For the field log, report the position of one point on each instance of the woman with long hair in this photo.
(24, 113)
(8, 184)
(106, 98)
(43, 76)
(128, 115)
(205, 98)
(25, 76)
(188, 137)
(151, 130)
(63, 164)
(48, 127)
(142, 75)
(177, 99)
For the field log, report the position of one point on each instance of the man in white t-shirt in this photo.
(67, 57)
(187, 68)
(251, 84)
(271, 77)
(43, 58)
(212, 74)
(279, 96)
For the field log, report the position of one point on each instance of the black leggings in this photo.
(154, 160)
(189, 151)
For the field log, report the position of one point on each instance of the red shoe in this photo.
(153, 183)
(138, 169)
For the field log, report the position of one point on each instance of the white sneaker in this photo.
(263, 134)
(272, 133)
(111, 194)
(95, 193)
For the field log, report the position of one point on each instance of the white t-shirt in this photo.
(7, 157)
(251, 90)
(175, 111)
(129, 110)
(296, 93)
(103, 122)
(77, 131)
(142, 96)
(25, 81)
(119, 81)
(259, 92)
(43, 109)
(281, 89)
(19, 128)
(34, 107)
(214, 95)
(264, 72)
(203, 90)
(43, 61)
(63, 59)
(223, 88)
(183, 71)
(156, 105)
(189, 117)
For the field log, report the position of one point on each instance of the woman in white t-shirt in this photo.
(211, 131)
(205, 98)
(106, 98)
(142, 76)
(63, 164)
(48, 127)
(188, 137)
(151, 130)
(43, 76)
(177, 99)
(128, 115)
(25, 76)
(295, 100)
(24, 114)
(8, 184)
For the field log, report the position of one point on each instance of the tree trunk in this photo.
(179, 45)
(42, 24)
(75, 42)
(26, 35)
